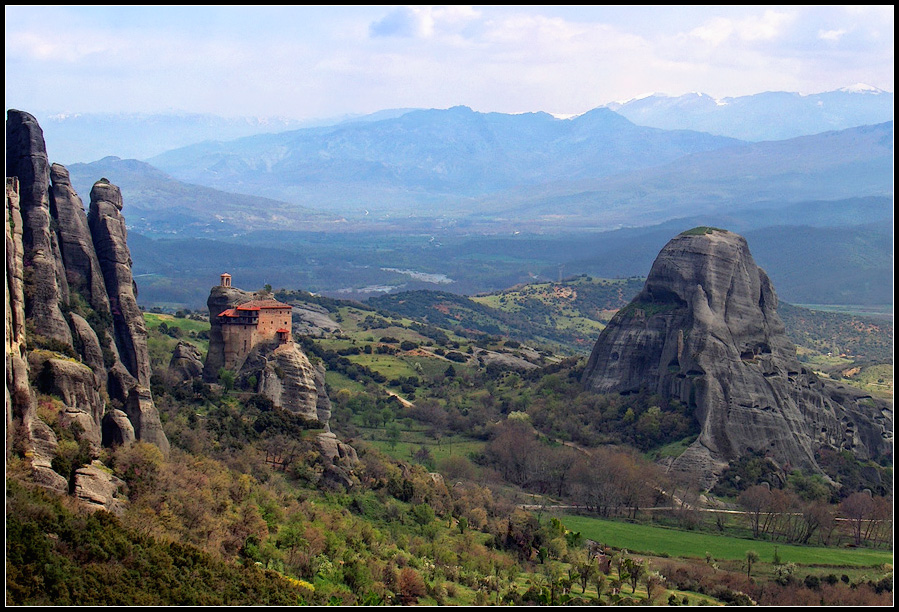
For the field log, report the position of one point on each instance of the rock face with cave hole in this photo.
(705, 330)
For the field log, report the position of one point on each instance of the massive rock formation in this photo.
(26, 160)
(285, 376)
(73, 328)
(705, 330)
(220, 299)
(279, 370)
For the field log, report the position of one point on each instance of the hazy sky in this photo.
(321, 61)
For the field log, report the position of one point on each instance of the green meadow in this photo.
(662, 541)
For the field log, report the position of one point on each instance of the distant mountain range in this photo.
(488, 200)
(427, 160)
(86, 137)
(766, 116)
(498, 172)
(158, 205)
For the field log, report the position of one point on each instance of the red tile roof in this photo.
(260, 304)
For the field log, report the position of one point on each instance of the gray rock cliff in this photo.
(107, 227)
(74, 330)
(79, 258)
(26, 159)
(705, 330)
(285, 376)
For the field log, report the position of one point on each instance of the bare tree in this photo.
(857, 509)
(754, 501)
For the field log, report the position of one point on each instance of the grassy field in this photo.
(853, 309)
(411, 441)
(188, 325)
(662, 541)
(162, 345)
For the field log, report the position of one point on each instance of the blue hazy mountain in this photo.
(766, 116)
(430, 160)
(86, 137)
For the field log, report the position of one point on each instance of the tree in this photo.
(290, 538)
(857, 509)
(754, 500)
(634, 569)
(226, 378)
(410, 586)
(586, 569)
(751, 557)
(654, 582)
(393, 435)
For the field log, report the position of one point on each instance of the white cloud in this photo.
(423, 21)
(831, 35)
(46, 47)
(719, 30)
(323, 61)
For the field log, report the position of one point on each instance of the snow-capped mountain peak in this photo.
(861, 88)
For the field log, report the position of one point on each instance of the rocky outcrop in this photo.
(705, 330)
(99, 489)
(186, 362)
(284, 375)
(19, 397)
(145, 418)
(323, 404)
(221, 299)
(312, 320)
(75, 384)
(82, 269)
(117, 429)
(281, 370)
(73, 328)
(26, 159)
(107, 226)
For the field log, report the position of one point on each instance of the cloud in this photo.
(768, 26)
(831, 35)
(402, 22)
(58, 47)
(324, 61)
(424, 21)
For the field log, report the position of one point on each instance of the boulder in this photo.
(186, 362)
(335, 451)
(705, 330)
(337, 479)
(98, 489)
(117, 429)
(285, 376)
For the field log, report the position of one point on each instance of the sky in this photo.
(308, 62)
